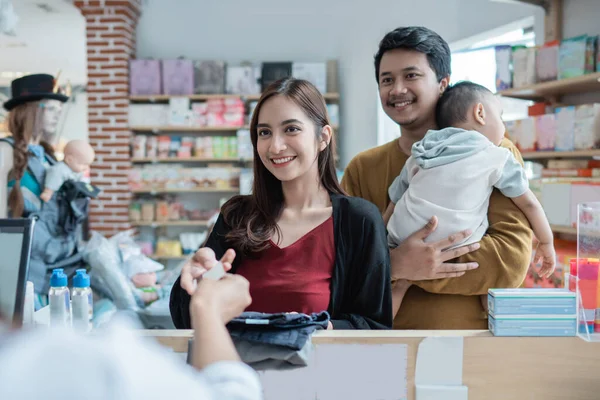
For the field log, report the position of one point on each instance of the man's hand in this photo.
(416, 260)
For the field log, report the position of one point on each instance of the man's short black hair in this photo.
(419, 39)
(452, 108)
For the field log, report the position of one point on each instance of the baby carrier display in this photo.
(58, 230)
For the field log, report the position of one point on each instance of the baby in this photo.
(79, 155)
(451, 174)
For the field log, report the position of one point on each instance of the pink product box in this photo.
(583, 192)
(233, 119)
(215, 120)
(178, 77)
(216, 106)
(545, 126)
(199, 108)
(144, 77)
(233, 102)
(237, 109)
(199, 120)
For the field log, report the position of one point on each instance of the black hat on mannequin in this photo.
(33, 88)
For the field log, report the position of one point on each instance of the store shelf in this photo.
(188, 160)
(326, 96)
(561, 154)
(157, 129)
(194, 190)
(581, 84)
(573, 231)
(564, 229)
(156, 224)
(203, 97)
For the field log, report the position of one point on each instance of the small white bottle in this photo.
(29, 307)
(59, 299)
(82, 301)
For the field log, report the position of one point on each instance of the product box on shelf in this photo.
(273, 71)
(547, 62)
(524, 72)
(503, 67)
(545, 128)
(178, 77)
(209, 77)
(243, 79)
(314, 72)
(144, 77)
(565, 127)
(573, 56)
(527, 140)
(556, 200)
(586, 131)
(148, 114)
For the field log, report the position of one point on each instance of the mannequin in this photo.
(34, 112)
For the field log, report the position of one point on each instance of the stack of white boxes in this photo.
(532, 312)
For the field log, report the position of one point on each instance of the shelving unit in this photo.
(169, 228)
(185, 190)
(157, 129)
(204, 97)
(552, 92)
(561, 154)
(206, 129)
(564, 229)
(143, 160)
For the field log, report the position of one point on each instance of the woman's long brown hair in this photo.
(253, 218)
(25, 124)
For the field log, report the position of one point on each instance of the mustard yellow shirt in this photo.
(451, 303)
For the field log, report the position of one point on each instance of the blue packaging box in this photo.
(532, 301)
(538, 325)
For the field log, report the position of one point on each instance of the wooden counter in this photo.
(493, 367)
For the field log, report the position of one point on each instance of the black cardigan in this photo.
(361, 295)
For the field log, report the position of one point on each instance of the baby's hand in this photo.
(546, 254)
(46, 195)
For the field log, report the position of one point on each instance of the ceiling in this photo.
(50, 36)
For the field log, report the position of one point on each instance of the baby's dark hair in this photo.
(453, 107)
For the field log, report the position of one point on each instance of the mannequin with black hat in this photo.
(33, 113)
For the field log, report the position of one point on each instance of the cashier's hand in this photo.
(226, 298)
(416, 260)
(202, 261)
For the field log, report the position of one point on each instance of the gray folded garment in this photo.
(268, 356)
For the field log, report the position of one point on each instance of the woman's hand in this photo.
(203, 260)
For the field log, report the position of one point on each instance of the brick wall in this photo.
(110, 30)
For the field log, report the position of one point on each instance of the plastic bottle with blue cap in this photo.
(82, 301)
(59, 299)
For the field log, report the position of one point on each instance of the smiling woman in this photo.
(294, 238)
